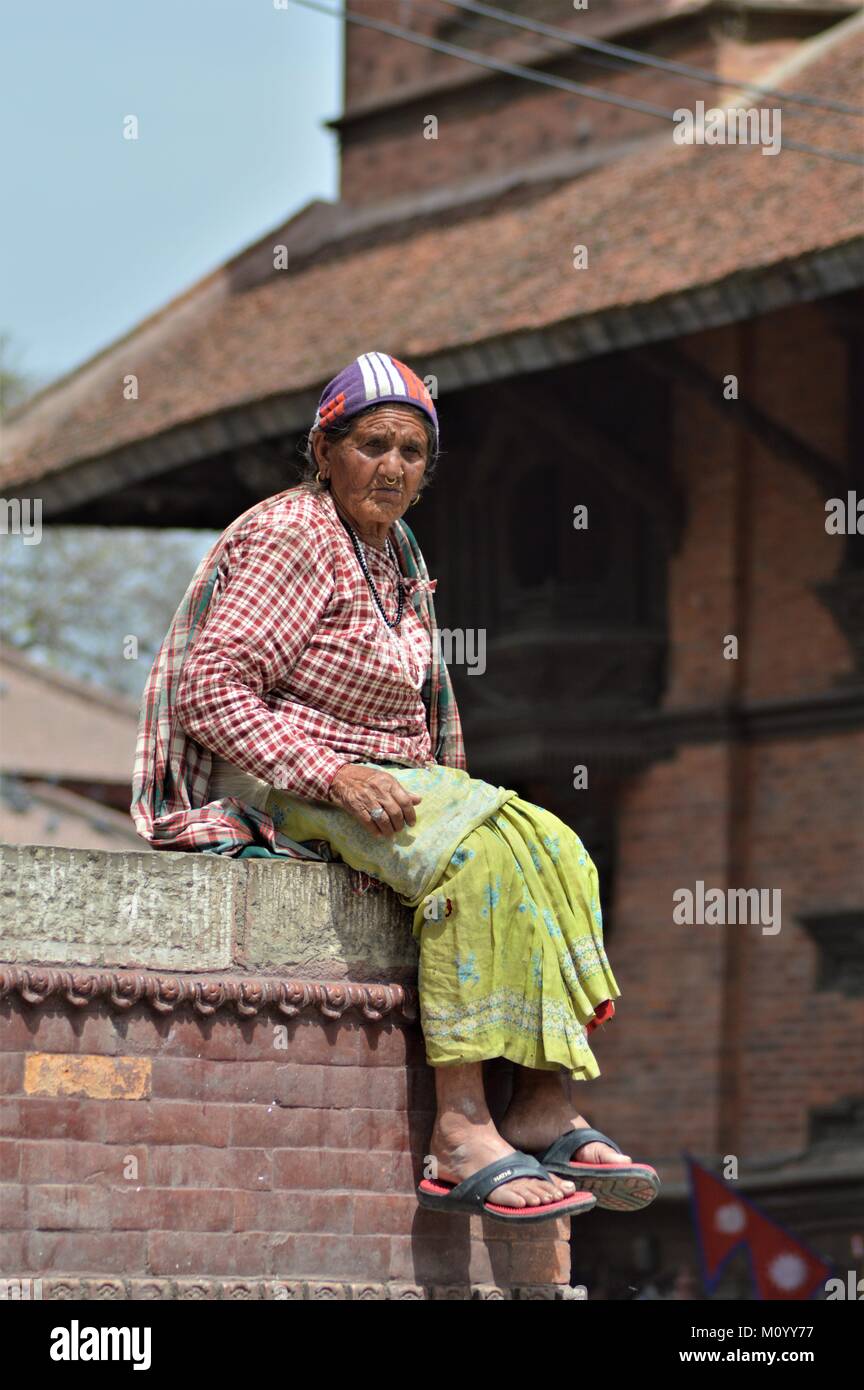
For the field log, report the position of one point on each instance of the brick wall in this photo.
(661, 1079)
(376, 63)
(800, 1047)
(755, 543)
(231, 1121)
(722, 1040)
(220, 1155)
(489, 123)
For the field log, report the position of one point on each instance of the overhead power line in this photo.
(545, 79)
(478, 26)
(635, 55)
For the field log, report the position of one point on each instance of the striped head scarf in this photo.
(371, 379)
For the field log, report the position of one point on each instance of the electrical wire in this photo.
(589, 59)
(635, 55)
(542, 78)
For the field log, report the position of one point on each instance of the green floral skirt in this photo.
(506, 913)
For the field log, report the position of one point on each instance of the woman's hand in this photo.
(359, 790)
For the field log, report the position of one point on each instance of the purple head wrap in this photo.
(372, 379)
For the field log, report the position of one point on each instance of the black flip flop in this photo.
(617, 1186)
(470, 1194)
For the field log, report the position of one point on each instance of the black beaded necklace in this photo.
(361, 558)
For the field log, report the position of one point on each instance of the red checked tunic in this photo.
(295, 672)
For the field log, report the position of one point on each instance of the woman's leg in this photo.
(464, 1139)
(541, 1108)
(511, 948)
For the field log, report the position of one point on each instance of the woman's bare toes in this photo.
(526, 1192)
(532, 1192)
(600, 1153)
(512, 1194)
(542, 1193)
(553, 1191)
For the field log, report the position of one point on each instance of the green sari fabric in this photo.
(506, 913)
(411, 862)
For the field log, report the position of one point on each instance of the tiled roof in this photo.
(661, 221)
(35, 813)
(52, 725)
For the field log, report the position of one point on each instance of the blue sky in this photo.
(98, 231)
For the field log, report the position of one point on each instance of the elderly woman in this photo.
(300, 705)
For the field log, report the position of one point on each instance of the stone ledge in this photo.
(200, 912)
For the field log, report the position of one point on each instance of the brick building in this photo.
(66, 749)
(690, 383)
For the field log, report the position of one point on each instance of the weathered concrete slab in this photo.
(183, 911)
(305, 918)
(90, 907)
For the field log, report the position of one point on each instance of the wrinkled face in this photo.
(376, 471)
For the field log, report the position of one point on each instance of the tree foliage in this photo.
(73, 601)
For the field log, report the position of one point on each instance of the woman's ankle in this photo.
(530, 1083)
(456, 1124)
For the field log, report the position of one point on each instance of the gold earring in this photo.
(319, 479)
(414, 503)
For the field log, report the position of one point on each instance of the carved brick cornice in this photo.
(247, 995)
(110, 1287)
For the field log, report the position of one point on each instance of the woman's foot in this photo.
(464, 1140)
(540, 1111)
(461, 1147)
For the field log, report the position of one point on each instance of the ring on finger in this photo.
(378, 813)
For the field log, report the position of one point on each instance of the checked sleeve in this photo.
(277, 587)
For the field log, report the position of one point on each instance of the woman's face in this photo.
(376, 471)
